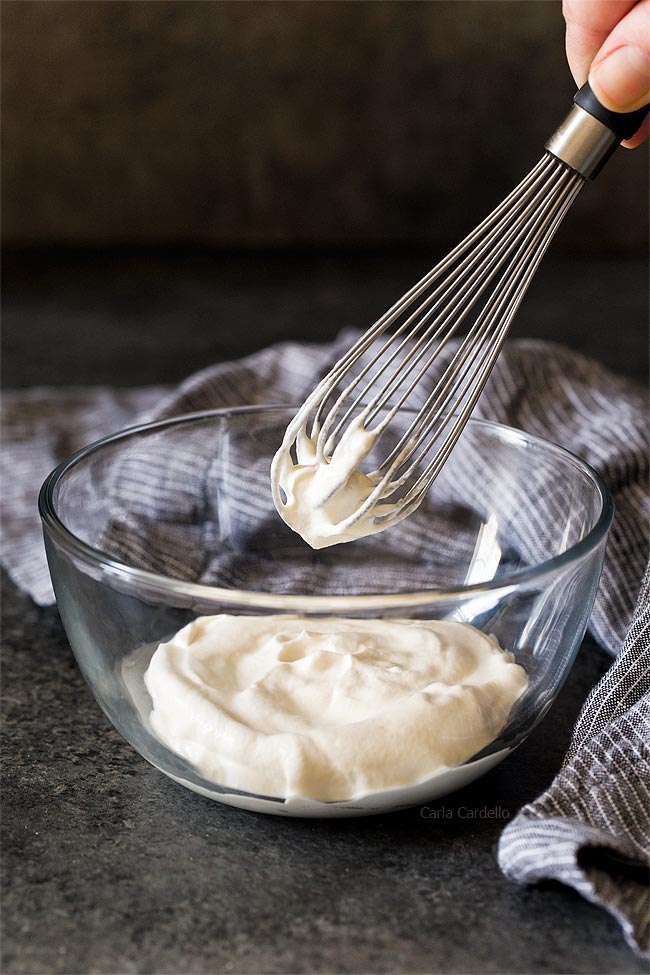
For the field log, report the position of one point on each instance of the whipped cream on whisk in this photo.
(327, 499)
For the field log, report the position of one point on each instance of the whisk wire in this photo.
(494, 263)
(497, 220)
(503, 309)
(485, 272)
(469, 280)
(449, 375)
(533, 238)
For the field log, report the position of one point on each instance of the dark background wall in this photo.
(281, 123)
(185, 182)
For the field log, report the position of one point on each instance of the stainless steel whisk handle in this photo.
(590, 133)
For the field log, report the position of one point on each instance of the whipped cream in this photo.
(328, 709)
(322, 498)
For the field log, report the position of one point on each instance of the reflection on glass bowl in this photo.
(154, 526)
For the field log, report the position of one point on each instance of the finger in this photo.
(640, 137)
(589, 22)
(620, 72)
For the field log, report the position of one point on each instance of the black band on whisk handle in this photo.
(623, 124)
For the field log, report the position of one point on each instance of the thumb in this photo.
(620, 72)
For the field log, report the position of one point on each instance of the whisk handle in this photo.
(622, 124)
(591, 134)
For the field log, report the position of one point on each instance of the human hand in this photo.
(608, 41)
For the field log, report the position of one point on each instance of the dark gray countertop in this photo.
(69, 317)
(110, 867)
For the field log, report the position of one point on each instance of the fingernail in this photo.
(622, 81)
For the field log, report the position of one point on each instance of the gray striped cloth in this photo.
(591, 828)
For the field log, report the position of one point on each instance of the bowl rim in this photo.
(168, 585)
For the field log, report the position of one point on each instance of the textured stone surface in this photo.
(109, 867)
(69, 317)
(287, 122)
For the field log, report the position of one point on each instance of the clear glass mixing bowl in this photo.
(156, 525)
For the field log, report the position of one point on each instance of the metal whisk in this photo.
(479, 287)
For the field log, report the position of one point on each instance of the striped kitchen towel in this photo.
(590, 829)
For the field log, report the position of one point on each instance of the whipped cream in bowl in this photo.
(334, 710)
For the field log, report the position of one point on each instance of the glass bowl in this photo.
(159, 524)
